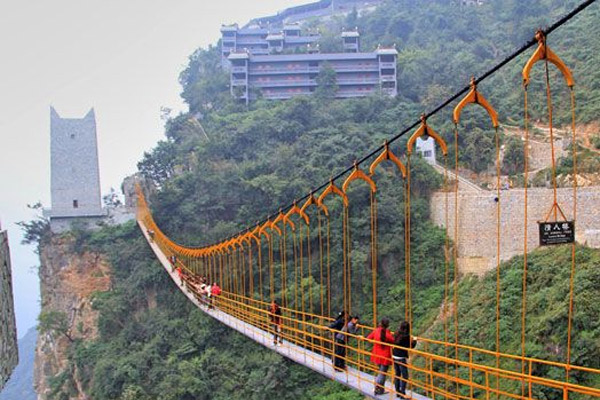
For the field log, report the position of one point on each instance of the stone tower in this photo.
(75, 176)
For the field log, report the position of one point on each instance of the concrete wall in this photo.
(477, 222)
(8, 330)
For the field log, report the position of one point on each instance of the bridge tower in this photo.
(75, 176)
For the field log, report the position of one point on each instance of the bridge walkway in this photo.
(353, 378)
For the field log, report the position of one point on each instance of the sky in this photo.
(122, 57)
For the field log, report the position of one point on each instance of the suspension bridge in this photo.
(280, 257)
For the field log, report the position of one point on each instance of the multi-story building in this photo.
(287, 75)
(262, 41)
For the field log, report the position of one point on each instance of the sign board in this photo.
(559, 232)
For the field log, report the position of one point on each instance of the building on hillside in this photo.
(426, 149)
(351, 40)
(9, 356)
(262, 41)
(74, 172)
(287, 75)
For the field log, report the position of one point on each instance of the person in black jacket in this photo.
(341, 338)
(403, 339)
(336, 326)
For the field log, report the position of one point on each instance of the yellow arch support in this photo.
(312, 200)
(543, 52)
(332, 189)
(387, 155)
(262, 230)
(425, 130)
(474, 97)
(278, 218)
(295, 210)
(357, 173)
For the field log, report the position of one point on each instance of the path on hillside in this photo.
(463, 183)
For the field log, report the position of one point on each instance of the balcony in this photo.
(351, 67)
(283, 70)
(279, 96)
(251, 42)
(388, 78)
(358, 81)
(284, 83)
(238, 69)
(259, 52)
(387, 65)
(238, 82)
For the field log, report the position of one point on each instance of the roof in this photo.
(387, 51)
(314, 57)
(275, 36)
(350, 34)
(229, 28)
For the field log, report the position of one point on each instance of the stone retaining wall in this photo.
(477, 222)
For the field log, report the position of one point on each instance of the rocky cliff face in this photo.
(68, 281)
(8, 329)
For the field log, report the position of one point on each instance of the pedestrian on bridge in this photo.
(341, 338)
(382, 353)
(400, 355)
(275, 316)
(215, 291)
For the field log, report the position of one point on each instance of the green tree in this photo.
(514, 156)
(327, 82)
(56, 322)
(36, 231)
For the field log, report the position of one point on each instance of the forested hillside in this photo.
(223, 166)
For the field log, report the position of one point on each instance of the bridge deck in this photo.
(353, 378)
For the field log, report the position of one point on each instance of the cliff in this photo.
(68, 281)
(8, 330)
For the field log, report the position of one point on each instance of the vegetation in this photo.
(548, 279)
(166, 348)
(54, 322)
(224, 165)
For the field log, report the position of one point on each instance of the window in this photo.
(427, 153)
(75, 204)
(72, 136)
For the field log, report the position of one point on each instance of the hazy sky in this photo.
(121, 57)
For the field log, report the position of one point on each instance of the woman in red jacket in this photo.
(382, 352)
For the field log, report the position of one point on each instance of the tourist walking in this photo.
(382, 353)
(215, 291)
(400, 356)
(336, 326)
(275, 316)
(341, 338)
